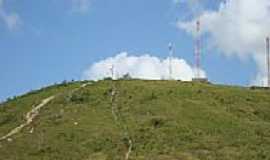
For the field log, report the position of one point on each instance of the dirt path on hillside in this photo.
(115, 113)
(29, 118)
(31, 115)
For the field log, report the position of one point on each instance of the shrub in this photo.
(126, 77)
(107, 78)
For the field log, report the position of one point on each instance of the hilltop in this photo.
(137, 120)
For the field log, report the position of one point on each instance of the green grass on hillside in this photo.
(166, 120)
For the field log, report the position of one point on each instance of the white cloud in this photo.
(81, 6)
(142, 67)
(12, 20)
(259, 80)
(238, 27)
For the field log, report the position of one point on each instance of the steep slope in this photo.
(138, 120)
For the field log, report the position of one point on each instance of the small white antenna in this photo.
(170, 60)
(112, 71)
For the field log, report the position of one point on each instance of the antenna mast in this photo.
(112, 71)
(170, 60)
(197, 50)
(268, 61)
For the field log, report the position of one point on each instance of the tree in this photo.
(126, 77)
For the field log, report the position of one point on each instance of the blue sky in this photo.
(55, 40)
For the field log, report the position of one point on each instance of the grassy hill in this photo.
(154, 120)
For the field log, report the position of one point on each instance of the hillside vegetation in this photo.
(138, 120)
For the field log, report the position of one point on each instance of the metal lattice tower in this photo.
(170, 60)
(197, 50)
(268, 61)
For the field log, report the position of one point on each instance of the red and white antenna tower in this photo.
(170, 46)
(268, 61)
(197, 49)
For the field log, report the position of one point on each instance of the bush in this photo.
(107, 78)
(157, 122)
(126, 77)
(77, 98)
